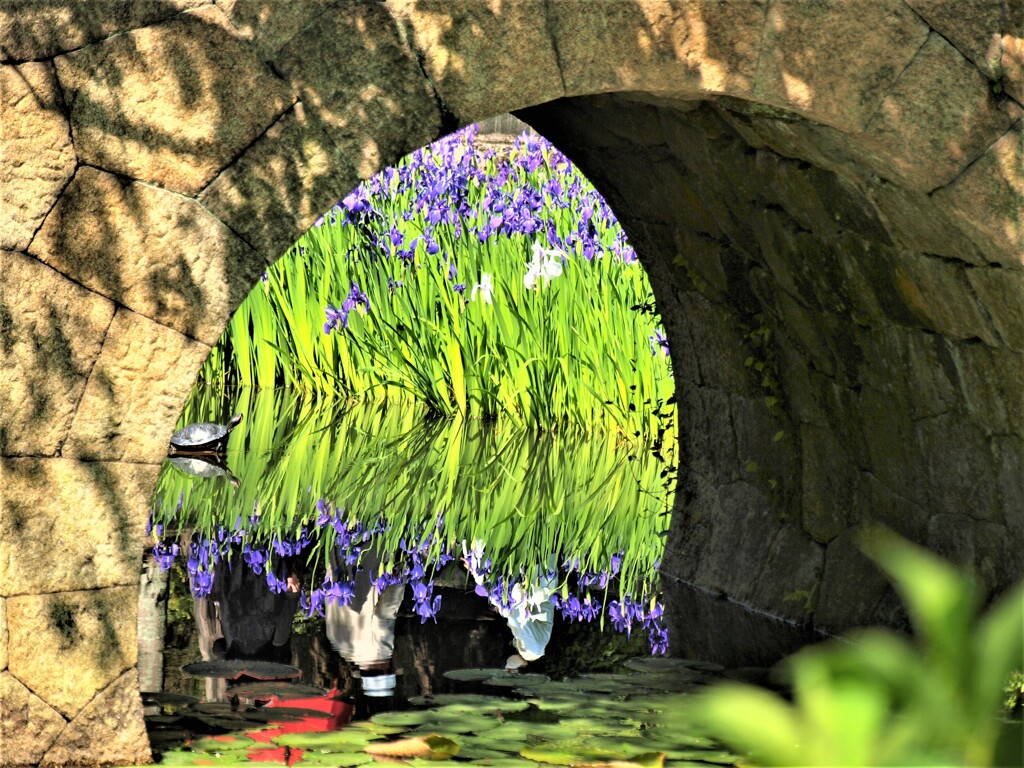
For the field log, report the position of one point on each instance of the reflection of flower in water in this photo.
(524, 603)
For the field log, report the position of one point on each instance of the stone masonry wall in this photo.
(830, 374)
(828, 197)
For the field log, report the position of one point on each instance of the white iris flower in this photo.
(485, 287)
(545, 263)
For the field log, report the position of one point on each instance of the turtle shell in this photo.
(205, 435)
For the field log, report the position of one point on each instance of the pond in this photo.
(345, 573)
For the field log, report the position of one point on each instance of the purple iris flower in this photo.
(165, 555)
(313, 603)
(617, 563)
(254, 558)
(276, 585)
(340, 592)
(589, 608)
(202, 583)
(619, 613)
(658, 637)
(659, 342)
(339, 317)
(425, 603)
(357, 202)
(325, 513)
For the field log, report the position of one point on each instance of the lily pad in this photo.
(517, 680)
(645, 760)
(185, 757)
(663, 664)
(566, 753)
(282, 689)
(476, 752)
(232, 669)
(521, 730)
(375, 727)
(478, 701)
(341, 759)
(460, 724)
(344, 740)
(474, 675)
(432, 746)
(407, 719)
(221, 744)
(611, 727)
(490, 706)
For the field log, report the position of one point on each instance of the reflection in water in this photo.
(329, 715)
(373, 551)
(572, 524)
(361, 621)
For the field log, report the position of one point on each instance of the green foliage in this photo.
(877, 698)
(1014, 692)
(520, 492)
(574, 350)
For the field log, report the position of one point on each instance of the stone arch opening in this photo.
(126, 237)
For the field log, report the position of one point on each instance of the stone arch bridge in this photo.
(828, 197)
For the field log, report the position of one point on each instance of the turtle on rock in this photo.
(202, 438)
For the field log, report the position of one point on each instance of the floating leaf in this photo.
(374, 727)
(185, 757)
(235, 668)
(344, 740)
(461, 724)
(282, 689)
(476, 701)
(431, 746)
(663, 664)
(644, 760)
(221, 744)
(341, 759)
(408, 719)
(474, 675)
(517, 680)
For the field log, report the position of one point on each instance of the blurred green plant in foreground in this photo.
(876, 697)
